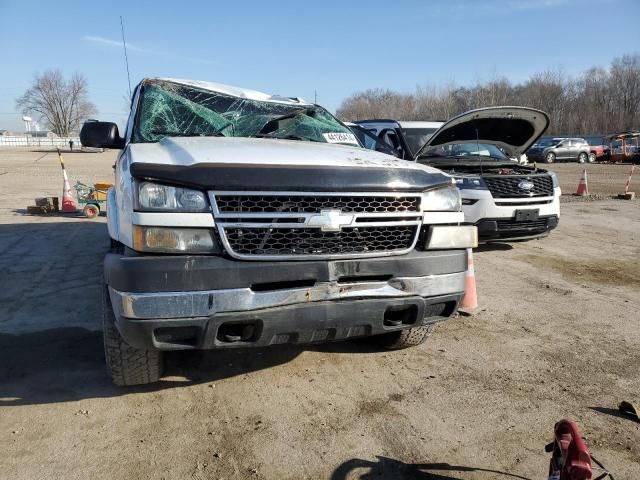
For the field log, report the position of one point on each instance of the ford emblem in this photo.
(525, 185)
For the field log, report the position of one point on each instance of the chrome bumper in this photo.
(175, 305)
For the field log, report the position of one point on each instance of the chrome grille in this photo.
(505, 186)
(315, 203)
(304, 225)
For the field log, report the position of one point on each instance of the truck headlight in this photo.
(174, 240)
(441, 200)
(471, 183)
(554, 179)
(158, 197)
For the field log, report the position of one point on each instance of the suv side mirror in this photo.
(100, 135)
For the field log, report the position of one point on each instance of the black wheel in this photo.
(409, 337)
(583, 157)
(91, 211)
(592, 157)
(550, 157)
(126, 364)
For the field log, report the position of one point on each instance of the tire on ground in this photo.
(409, 337)
(126, 364)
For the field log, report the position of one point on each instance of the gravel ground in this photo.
(558, 337)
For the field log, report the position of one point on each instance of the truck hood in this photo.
(238, 163)
(513, 129)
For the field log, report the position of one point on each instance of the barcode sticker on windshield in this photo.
(340, 138)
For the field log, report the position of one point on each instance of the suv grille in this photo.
(504, 186)
(291, 225)
(313, 204)
(532, 226)
(313, 241)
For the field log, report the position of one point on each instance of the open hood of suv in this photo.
(513, 129)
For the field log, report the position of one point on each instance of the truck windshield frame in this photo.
(171, 109)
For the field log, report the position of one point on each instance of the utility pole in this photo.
(315, 96)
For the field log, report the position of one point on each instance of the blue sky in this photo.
(295, 48)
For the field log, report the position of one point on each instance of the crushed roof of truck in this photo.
(231, 90)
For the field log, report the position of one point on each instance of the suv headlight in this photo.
(471, 183)
(441, 200)
(158, 197)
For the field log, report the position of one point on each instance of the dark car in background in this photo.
(554, 149)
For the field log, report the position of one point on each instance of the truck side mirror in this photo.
(101, 135)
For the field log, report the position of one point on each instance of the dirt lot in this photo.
(559, 337)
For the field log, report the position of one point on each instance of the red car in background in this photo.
(599, 149)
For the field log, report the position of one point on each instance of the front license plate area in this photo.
(527, 215)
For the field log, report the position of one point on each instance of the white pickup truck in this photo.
(241, 219)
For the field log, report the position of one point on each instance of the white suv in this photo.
(505, 200)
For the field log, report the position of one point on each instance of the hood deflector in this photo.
(310, 178)
(514, 129)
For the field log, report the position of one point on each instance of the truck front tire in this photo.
(409, 337)
(126, 364)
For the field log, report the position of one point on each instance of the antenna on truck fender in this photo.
(126, 60)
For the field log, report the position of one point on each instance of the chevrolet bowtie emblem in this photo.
(330, 220)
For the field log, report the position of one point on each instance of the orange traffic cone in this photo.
(68, 202)
(583, 190)
(469, 303)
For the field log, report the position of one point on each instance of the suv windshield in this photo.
(417, 137)
(171, 109)
(471, 151)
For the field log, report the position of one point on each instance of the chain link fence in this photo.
(27, 141)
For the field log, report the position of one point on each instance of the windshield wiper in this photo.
(181, 134)
(284, 137)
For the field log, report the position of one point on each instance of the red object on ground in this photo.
(627, 184)
(583, 189)
(470, 299)
(68, 202)
(576, 463)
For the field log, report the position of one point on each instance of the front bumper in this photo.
(496, 217)
(500, 229)
(202, 302)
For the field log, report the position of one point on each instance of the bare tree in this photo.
(599, 101)
(625, 84)
(62, 105)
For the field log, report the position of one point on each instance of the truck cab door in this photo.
(617, 150)
(390, 137)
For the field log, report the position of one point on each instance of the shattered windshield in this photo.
(471, 151)
(171, 109)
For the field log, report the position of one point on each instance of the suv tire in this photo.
(583, 157)
(409, 337)
(126, 364)
(550, 157)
